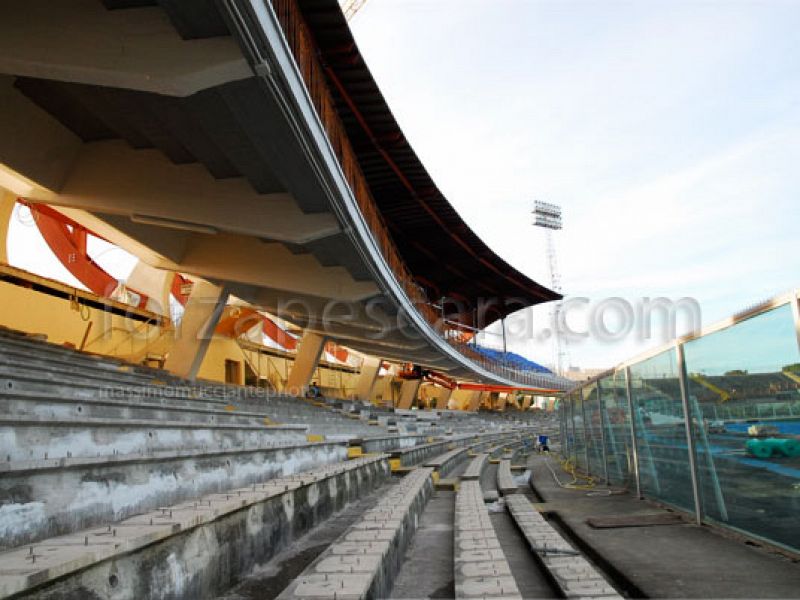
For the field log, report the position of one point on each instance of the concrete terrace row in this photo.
(121, 479)
(205, 543)
(212, 539)
(364, 560)
(574, 576)
(85, 440)
(481, 569)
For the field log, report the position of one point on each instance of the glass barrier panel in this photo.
(594, 437)
(571, 428)
(619, 452)
(744, 390)
(580, 438)
(661, 434)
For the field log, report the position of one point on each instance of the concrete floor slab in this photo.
(680, 561)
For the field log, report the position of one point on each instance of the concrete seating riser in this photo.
(46, 502)
(192, 550)
(362, 563)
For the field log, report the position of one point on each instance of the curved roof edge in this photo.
(445, 256)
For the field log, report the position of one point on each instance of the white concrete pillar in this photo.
(367, 378)
(475, 401)
(408, 393)
(305, 362)
(445, 398)
(501, 401)
(453, 403)
(7, 203)
(202, 313)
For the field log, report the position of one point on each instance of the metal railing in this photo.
(709, 424)
(301, 43)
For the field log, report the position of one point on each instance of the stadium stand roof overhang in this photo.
(436, 244)
(202, 152)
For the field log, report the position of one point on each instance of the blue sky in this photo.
(668, 131)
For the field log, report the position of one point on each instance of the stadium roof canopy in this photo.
(442, 252)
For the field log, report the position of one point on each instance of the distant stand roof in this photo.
(441, 251)
(513, 360)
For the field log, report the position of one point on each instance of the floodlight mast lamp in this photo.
(351, 7)
(548, 217)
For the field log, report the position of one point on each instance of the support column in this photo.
(408, 393)
(526, 402)
(203, 311)
(475, 401)
(367, 378)
(305, 362)
(445, 401)
(387, 399)
(7, 203)
(501, 401)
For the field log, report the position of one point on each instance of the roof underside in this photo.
(439, 249)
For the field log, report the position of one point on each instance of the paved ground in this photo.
(427, 571)
(526, 571)
(676, 561)
(272, 578)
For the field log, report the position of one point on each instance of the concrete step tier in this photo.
(24, 438)
(363, 562)
(505, 480)
(60, 497)
(410, 456)
(508, 448)
(35, 347)
(189, 550)
(57, 403)
(66, 395)
(572, 574)
(444, 464)
(388, 443)
(475, 467)
(480, 566)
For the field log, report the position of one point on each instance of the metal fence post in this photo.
(796, 314)
(689, 426)
(585, 435)
(634, 438)
(573, 446)
(602, 431)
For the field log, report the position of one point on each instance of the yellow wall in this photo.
(219, 350)
(274, 370)
(34, 312)
(27, 310)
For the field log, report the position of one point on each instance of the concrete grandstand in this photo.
(285, 397)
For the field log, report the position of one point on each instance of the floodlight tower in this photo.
(548, 217)
(351, 7)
